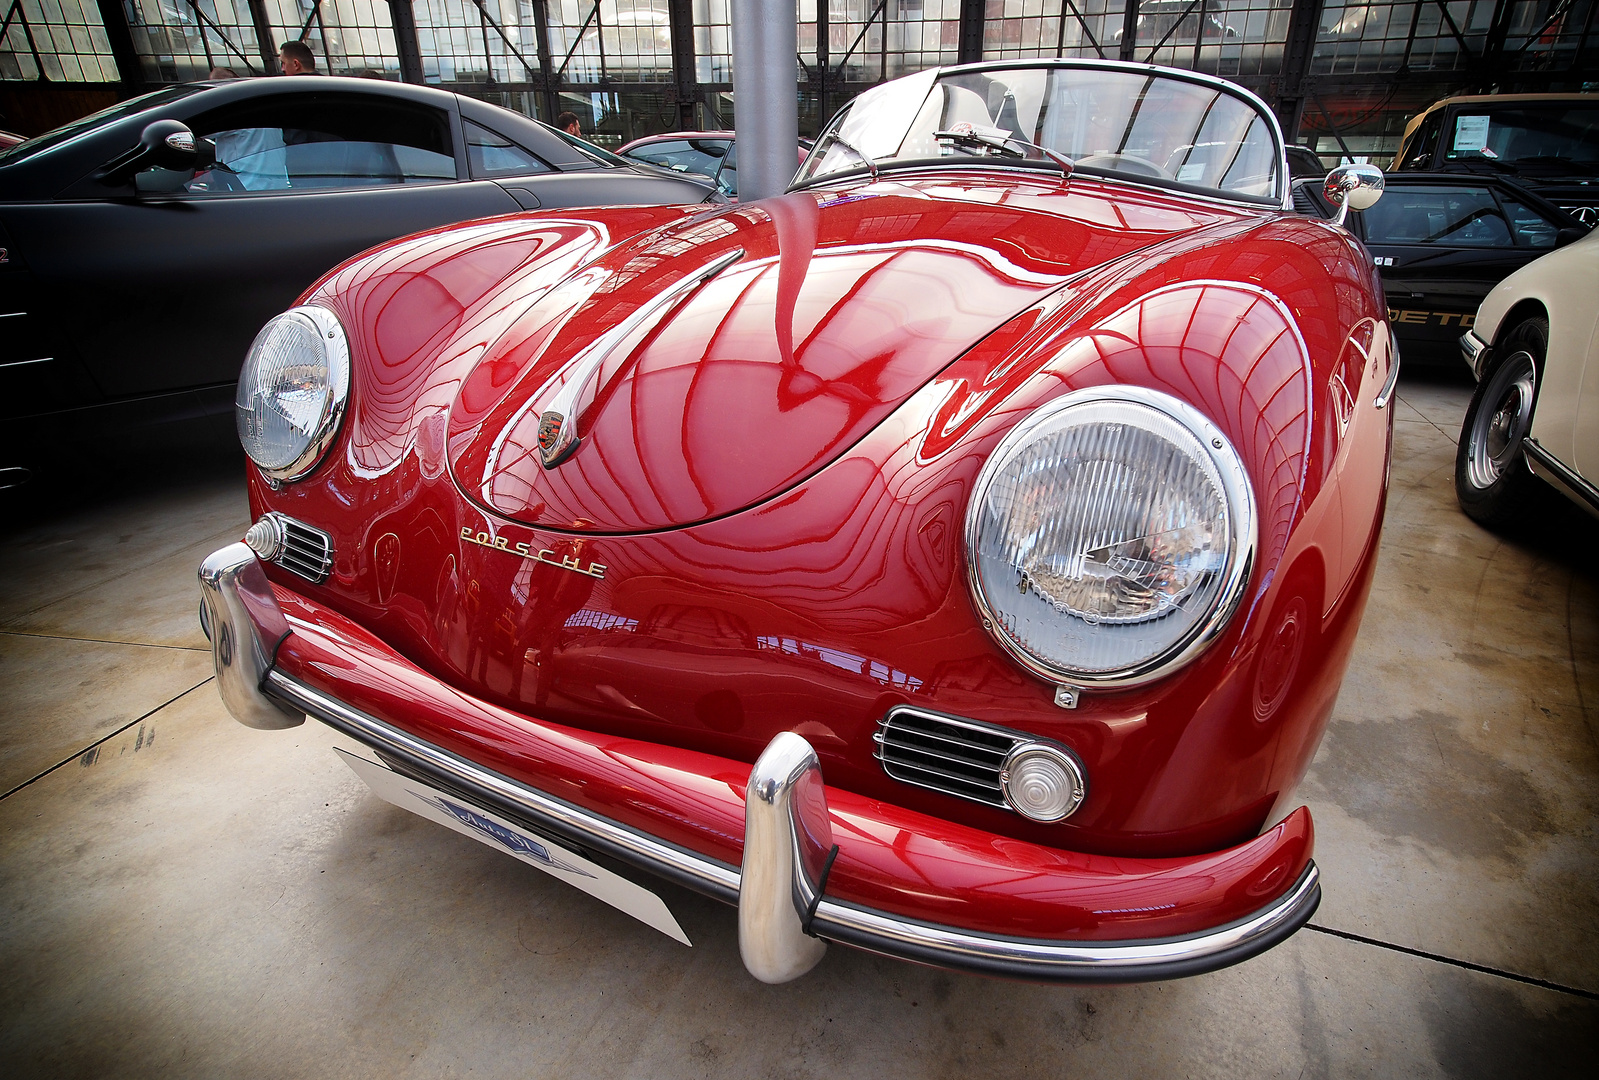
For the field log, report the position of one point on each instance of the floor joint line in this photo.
(1545, 984)
(104, 641)
(98, 742)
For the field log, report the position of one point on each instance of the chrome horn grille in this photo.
(297, 547)
(957, 757)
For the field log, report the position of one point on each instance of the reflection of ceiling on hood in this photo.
(763, 374)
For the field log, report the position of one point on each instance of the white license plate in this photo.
(535, 850)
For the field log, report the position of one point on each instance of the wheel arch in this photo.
(1520, 312)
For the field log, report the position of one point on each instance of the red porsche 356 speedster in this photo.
(956, 556)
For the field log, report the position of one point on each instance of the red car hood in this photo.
(840, 308)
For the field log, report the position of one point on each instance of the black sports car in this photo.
(142, 248)
(1441, 242)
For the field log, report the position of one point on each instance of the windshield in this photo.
(38, 143)
(1141, 124)
(1533, 138)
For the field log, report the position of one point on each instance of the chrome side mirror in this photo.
(1352, 187)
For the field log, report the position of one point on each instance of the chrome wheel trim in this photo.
(1502, 421)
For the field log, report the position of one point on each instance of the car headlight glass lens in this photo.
(292, 391)
(1110, 537)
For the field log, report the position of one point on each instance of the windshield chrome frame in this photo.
(1284, 198)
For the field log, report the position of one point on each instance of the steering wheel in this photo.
(1127, 163)
(217, 178)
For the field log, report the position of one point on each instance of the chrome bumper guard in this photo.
(1476, 353)
(784, 918)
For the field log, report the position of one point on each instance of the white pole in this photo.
(765, 95)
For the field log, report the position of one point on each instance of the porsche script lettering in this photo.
(525, 550)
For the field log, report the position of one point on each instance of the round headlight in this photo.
(1110, 536)
(292, 391)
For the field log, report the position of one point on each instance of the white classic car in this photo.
(1534, 349)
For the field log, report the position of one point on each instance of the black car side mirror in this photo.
(164, 144)
(1569, 236)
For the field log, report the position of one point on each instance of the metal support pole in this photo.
(541, 27)
(263, 37)
(685, 79)
(970, 47)
(1129, 49)
(1289, 99)
(824, 65)
(765, 37)
(129, 69)
(405, 43)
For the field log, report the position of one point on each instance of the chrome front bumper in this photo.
(784, 916)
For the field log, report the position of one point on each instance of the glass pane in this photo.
(347, 37)
(254, 155)
(316, 143)
(702, 156)
(1537, 140)
(613, 41)
(70, 38)
(491, 154)
(1528, 227)
(1447, 216)
(1143, 127)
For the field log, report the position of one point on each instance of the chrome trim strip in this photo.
(941, 755)
(958, 721)
(21, 363)
(236, 578)
(999, 755)
(1167, 958)
(788, 842)
(695, 871)
(1386, 394)
(1560, 476)
(559, 417)
(940, 775)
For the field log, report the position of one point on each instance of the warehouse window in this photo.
(349, 37)
(182, 40)
(57, 40)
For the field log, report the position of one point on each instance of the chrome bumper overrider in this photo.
(784, 917)
(1476, 353)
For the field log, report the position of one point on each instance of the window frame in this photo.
(452, 126)
(467, 123)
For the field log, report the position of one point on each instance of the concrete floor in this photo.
(180, 896)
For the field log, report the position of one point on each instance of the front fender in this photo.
(420, 311)
(1279, 338)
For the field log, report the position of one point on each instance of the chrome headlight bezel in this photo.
(1241, 530)
(336, 346)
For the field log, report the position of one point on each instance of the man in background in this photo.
(296, 58)
(568, 123)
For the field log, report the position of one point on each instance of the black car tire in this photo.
(1493, 482)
